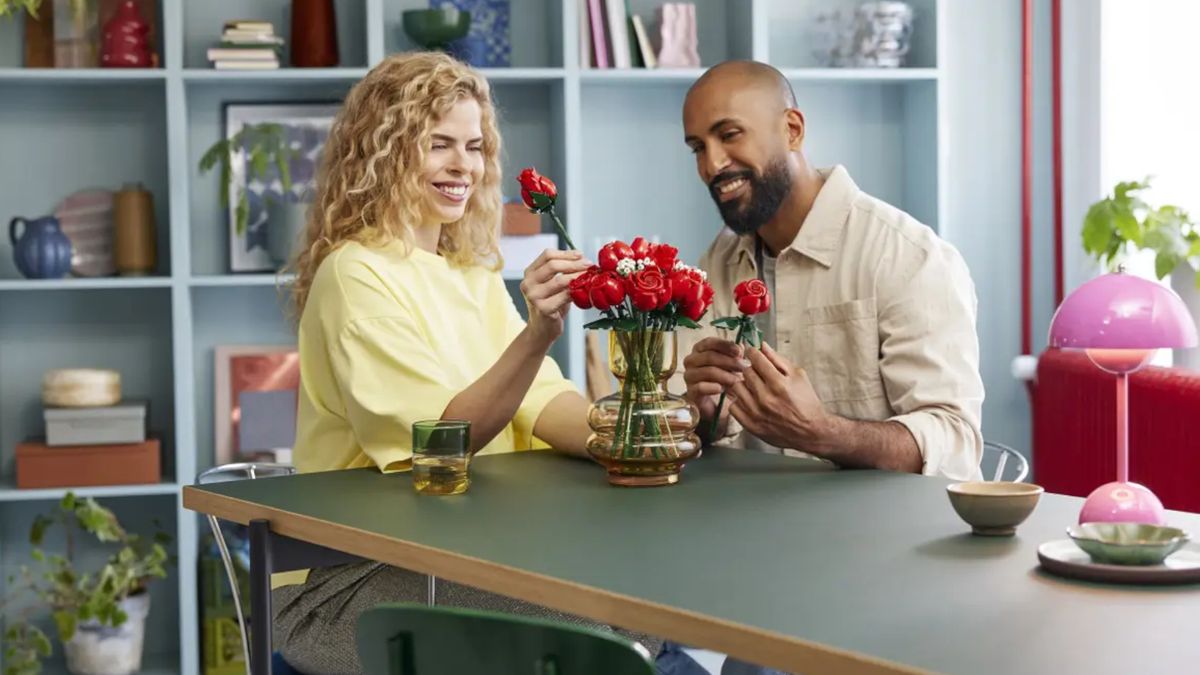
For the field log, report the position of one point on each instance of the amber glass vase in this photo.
(642, 434)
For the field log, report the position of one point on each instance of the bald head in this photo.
(741, 123)
(730, 77)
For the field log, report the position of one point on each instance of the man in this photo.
(869, 356)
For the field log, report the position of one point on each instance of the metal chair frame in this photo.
(1005, 453)
(250, 470)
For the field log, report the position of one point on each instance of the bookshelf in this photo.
(610, 138)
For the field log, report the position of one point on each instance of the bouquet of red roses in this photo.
(642, 286)
(643, 434)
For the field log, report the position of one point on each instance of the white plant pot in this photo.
(104, 650)
(1183, 282)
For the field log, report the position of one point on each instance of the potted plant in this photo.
(99, 615)
(267, 147)
(1123, 224)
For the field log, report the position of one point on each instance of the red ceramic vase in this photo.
(126, 39)
(314, 34)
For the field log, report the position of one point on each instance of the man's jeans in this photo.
(673, 660)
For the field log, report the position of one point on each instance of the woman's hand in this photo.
(546, 294)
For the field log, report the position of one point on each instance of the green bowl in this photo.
(1127, 543)
(436, 28)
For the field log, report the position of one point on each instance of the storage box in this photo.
(42, 466)
(122, 423)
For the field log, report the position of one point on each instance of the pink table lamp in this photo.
(1120, 320)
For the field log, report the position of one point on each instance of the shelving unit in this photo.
(611, 139)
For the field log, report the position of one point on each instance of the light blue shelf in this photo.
(212, 280)
(610, 138)
(209, 76)
(10, 493)
(80, 75)
(98, 283)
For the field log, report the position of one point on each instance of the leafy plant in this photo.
(10, 8)
(265, 144)
(72, 596)
(1123, 223)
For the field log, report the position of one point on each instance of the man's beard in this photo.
(767, 193)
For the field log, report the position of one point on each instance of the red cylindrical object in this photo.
(314, 34)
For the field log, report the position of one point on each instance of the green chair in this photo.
(409, 639)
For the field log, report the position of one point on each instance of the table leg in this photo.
(260, 597)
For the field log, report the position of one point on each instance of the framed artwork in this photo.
(306, 126)
(240, 372)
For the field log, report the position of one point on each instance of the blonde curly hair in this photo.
(369, 186)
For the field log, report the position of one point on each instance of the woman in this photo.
(404, 317)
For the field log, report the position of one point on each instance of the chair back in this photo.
(1002, 463)
(410, 639)
(242, 471)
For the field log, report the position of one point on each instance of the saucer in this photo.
(1064, 558)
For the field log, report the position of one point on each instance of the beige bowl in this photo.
(994, 508)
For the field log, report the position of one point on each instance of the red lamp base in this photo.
(1119, 502)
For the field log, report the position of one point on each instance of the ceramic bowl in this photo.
(1127, 543)
(436, 28)
(994, 508)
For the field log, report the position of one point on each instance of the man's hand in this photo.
(714, 365)
(776, 402)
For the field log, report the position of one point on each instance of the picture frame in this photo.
(246, 368)
(307, 126)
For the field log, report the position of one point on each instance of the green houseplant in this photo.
(1123, 223)
(265, 144)
(10, 8)
(98, 614)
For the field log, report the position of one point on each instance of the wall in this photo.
(983, 85)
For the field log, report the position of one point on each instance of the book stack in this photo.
(611, 36)
(247, 44)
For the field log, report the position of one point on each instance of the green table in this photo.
(771, 559)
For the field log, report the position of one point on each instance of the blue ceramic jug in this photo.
(42, 251)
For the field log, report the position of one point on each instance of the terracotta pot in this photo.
(314, 34)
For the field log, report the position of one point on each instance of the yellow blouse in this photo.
(388, 337)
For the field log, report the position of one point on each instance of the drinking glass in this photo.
(441, 456)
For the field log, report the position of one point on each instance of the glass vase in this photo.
(642, 434)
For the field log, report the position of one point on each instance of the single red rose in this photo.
(641, 248)
(605, 290)
(686, 287)
(579, 288)
(751, 297)
(533, 182)
(648, 289)
(693, 311)
(665, 256)
(612, 253)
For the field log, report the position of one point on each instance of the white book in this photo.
(644, 45)
(234, 54)
(618, 33)
(585, 36)
(245, 65)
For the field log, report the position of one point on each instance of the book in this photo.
(231, 54)
(599, 41)
(618, 33)
(585, 37)
(643, 43)
(246, 65)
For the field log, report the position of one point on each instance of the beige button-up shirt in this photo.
(881, 314)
